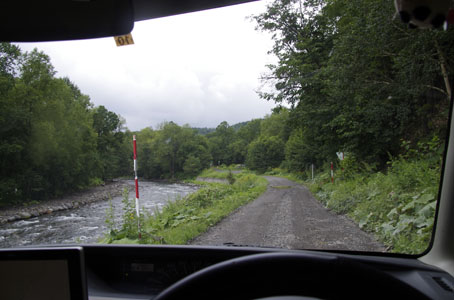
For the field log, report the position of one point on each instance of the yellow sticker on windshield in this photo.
(124, 40)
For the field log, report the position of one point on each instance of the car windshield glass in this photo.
(290, 124)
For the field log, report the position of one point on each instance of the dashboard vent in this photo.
(442, 282)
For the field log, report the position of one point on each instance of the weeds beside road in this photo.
(184, 219)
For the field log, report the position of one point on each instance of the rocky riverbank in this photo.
(75, 200)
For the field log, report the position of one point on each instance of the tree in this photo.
(107, 125)
(265, 153)
(172, 152)
(192, 166)
(276, 124)
(12, 126)
(220, 140)
(355, 80)
(298, 153)
(250, 131)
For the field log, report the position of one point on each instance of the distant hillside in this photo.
(205, 130)
(239, 125)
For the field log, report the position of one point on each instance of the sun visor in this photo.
(53, 20)
(145, 10)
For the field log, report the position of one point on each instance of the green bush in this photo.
(265, 153)
(129, 226)
(398, 206)
(230, 177)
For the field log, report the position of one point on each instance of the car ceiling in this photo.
(53, 20)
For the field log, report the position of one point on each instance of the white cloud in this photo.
(200, 69)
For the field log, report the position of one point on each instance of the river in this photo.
(85, 224)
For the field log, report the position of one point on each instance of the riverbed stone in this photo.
(12, 218)
(24, 215)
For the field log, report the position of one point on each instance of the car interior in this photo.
(101, 272)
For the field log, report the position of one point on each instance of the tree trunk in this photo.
(444, 70)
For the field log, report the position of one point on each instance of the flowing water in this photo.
(87, 223)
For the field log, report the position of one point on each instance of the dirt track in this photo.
(288, 216)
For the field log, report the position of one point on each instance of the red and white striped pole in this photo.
(136, 179)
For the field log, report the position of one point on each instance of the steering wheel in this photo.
(283, 273)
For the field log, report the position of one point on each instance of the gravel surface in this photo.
(288, 216)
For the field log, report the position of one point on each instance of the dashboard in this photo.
(143, 272)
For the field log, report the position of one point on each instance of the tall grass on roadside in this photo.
(397, 205)
(185, 218)
(219, 173)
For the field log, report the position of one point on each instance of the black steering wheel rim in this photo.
(285, 273)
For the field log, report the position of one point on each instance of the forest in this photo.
(348, 78)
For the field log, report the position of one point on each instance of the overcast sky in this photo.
(198, 69)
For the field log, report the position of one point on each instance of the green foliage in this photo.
(171, 152)
(230, 178)
(356, 81)
(397, 206)
(96, 181)
(298, 153)
(276, 125)
(213, 173)
(52, 140)
(110, 219)
(192, 166)
(265, 153)
(221, 172)
(185, 218)
(111, 143)
(204, 130)
(219, 142)
(129, 225)
(350, 166)
(228, 144)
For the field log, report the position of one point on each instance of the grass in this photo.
(398, 205)
(184, 219)
(220, 173)
(212, 173)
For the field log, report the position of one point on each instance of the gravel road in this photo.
(288, 216)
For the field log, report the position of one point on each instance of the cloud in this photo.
(198, 69)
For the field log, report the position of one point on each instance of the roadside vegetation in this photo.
(184, 219)
(396, 204)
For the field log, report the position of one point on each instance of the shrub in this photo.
(398, 206)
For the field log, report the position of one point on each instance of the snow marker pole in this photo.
(136, 180)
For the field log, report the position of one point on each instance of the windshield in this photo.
(291, 124)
